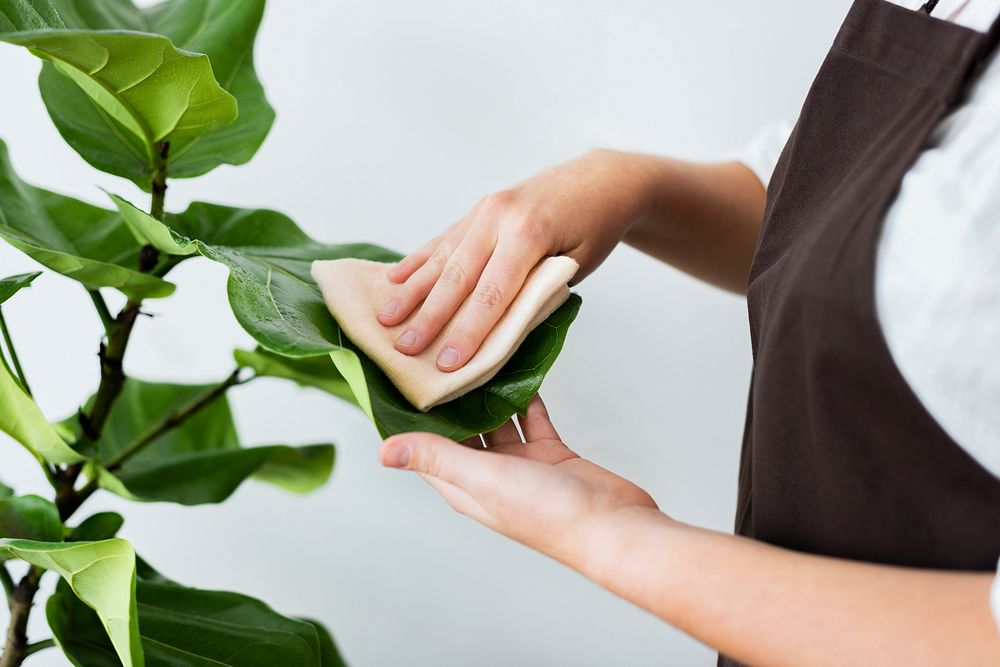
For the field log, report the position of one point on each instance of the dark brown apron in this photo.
(839, 456)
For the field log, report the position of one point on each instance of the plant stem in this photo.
(107, 319)
(13, 354)
(39, 646)
(20, 608)
(159, 184)
(174, 419)
(112, 355)
(8, 583)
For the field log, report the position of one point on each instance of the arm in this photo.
(756, 603)
(769, 606)
(704, 219)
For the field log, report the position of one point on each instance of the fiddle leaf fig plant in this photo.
(148, 94)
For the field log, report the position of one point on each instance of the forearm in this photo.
(768, 606)
(703, 219)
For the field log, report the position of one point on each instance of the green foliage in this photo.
(22, 419)
(83, 242)
(221, 29)
(100, 526)
(101, 575)
(147, 93)
(199, 461)
(275, 299)
(13, 284)
(329, 655)
(187, 626)
(28, 15)
(30, 518)
(317, 372)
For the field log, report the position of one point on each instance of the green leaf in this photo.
(100, 526)
(221, 29)
(5, 490)
(297, 469)
(192, 627)
(102, 575)
(317, 372)
(14, 284)
(201, 460)
(22, 419)
(140, 80)
(30, 518)
(277, 302)
(83, 242)
(329, 655)
(28, 15)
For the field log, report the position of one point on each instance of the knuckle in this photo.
(427, 460)
(439, 258)
(490, 294)
(496, 202)
(453, 274)
(530, 228)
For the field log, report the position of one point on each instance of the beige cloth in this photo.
(355, 290)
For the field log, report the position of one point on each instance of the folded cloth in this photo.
(355, 290)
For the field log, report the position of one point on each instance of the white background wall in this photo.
(393, 118)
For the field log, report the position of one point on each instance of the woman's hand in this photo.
(754, 602)
(581, 209)
(536, 491)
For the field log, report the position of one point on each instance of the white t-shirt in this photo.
(938, 268)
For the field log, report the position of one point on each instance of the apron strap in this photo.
(989, 46)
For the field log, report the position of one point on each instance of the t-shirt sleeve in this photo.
(761, 153)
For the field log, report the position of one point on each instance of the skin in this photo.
(759, 604)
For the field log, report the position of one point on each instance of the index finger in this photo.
(499, 284)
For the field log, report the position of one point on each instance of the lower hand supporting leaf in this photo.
(537, 491)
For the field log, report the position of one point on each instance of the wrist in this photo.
(634, 177)
(614, 539)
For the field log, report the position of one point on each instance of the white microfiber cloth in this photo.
(356, 289)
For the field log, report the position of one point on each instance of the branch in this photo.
(13, 354)
(20, 609)
(112, 355)
(175, 418)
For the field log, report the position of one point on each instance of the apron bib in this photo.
(840, 458)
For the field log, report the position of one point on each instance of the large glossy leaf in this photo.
(80, 241)
(224, 30)
(22, 419)
(102, 576)
(318, 372)
(5, 491)
(138, 80)
(194, 628)
(276, 300)
(28, 15)
(200, 461)
(30, 518)
(329, 654)
(13, 284)
(100, 526)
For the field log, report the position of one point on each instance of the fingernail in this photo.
(448, 357)
(390, 308)
(408, 339)
(398, 457)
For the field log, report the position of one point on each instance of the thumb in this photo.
(442, 458)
